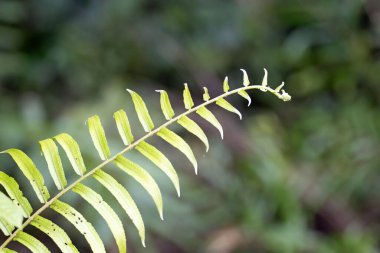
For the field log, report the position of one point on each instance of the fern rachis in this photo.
(71, 148)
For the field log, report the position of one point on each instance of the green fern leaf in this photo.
(161, 161)
(83, 226)
(124, 199)
(109, 215)
(246, 81)
(13, 190)
(31, 173)
(206, 96)
(72, 150)
(7, 251)
(226, 105)
(264, 83)
(98, 137)
(176, 141)
(31, 243)
(226, 86)
(10, 212)
(50, 151)
(191, 126)
(142, 111)
(144, 178)
(6, 227)
(56, 233)
(187, 99)
(166, 106)
(210, 117)
(123, 127)
(245, 95)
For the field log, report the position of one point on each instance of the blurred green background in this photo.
(299, 177)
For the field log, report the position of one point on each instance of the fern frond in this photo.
(19, 205)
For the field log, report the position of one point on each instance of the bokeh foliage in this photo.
(296, 177)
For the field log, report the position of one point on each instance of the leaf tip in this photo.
(226, 86)
(246, 81)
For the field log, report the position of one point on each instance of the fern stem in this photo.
(131, 146)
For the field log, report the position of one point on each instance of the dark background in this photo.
(299, 177)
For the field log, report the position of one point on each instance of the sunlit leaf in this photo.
(209, 116)
(56, 233)
(206, 96)
(161, 161)
(108, 214)
(12, 188)
(245, 95)
(31, 173)
(226, 86)
(142, 111)
(6, 227)
(187, 99)
(246, 81)
(166, 106)
(32, 243)
(265, 79)
(124, 199)
(191, 126)
(144, 178)
(50, 151)
(81, 224)
(123, 126)
(176, 141)
(9, 211)
(98, 137)
(226, 105)
(71, 148)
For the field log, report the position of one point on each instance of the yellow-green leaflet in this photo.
(10, 212)
(50, 151)
(209, 116)
(71, 148)
(279, 87)
(108, 214)
(226, 87)
(31, 173)
(31, 243)
(195, 129)
(176, 141)
(166, 106)
(245, 95)
(265, 79)
(6, 227)
(123, 126)
(56, 233)
(161, 161)
(187, 99)
(7, 251)
(124, 199)
(246, 81)
(144, 178)
(142, 111)
(226, 105)
(12, 188)
(98, 137)
(206, 96)
(83, 226)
